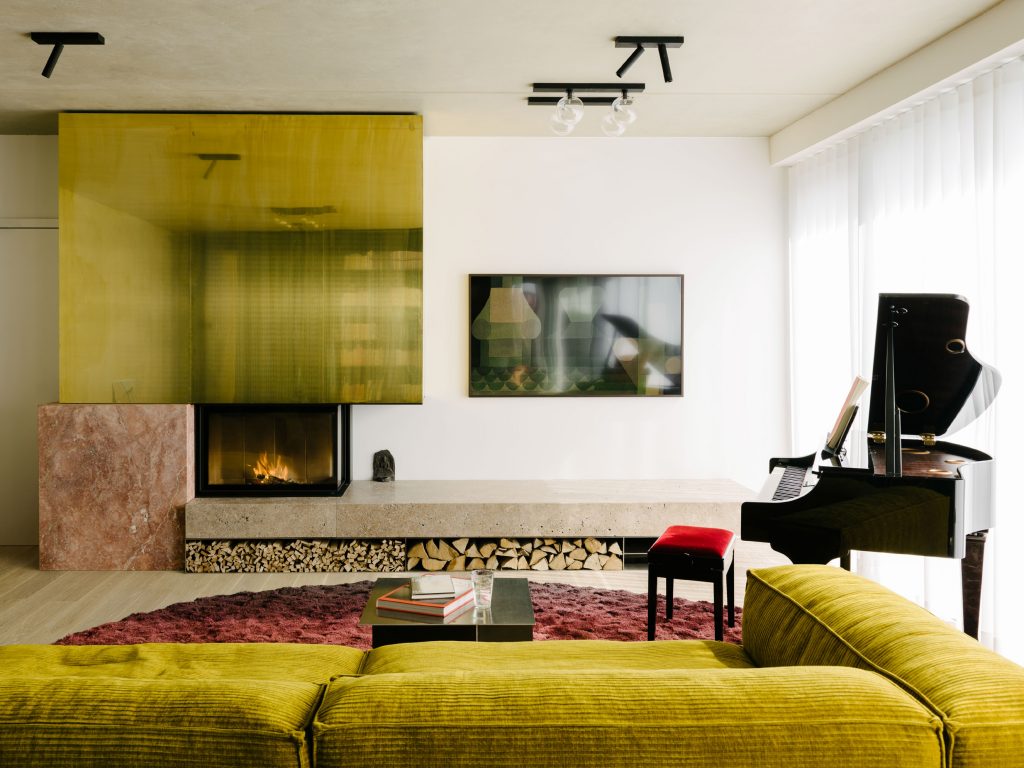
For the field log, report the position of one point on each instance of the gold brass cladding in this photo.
(307, 317)
(240, 258)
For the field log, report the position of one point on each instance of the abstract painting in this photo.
(575, 335)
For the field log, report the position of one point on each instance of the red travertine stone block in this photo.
(113, 484)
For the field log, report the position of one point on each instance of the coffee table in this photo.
(510, 617)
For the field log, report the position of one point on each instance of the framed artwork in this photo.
(575, 335)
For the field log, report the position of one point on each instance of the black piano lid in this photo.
(939, 384)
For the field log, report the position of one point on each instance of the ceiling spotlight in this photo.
(560, 127)
(59, 39)
(621, 116)
(569, 108)
(611, 127)
(630, 61)
(622, 109)
(639, 44)
(568, 112)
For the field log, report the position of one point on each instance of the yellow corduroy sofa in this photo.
(834, 671)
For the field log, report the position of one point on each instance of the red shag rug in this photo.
(330, 614)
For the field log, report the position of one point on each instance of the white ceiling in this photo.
(748, 67)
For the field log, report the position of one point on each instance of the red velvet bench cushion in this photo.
(694, 541)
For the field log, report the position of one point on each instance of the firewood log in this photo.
(417, 550)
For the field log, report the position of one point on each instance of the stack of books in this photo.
(431, 598)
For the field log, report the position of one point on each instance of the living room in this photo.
(745, 172)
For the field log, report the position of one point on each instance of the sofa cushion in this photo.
(795, 718)
(159, 705)
(566, 655)
(810, 614)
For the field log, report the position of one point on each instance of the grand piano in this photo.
(890, 493)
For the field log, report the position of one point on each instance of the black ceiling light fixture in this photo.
(639, 43)
(569, 107)
(59, 39)
(215, 157)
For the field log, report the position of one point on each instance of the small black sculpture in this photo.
(383, 467)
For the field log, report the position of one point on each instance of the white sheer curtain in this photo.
(928, 201)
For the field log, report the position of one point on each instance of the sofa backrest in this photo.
(820, 615)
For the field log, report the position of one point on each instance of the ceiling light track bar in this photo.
(549, 100)
(646, 41)
(617, 88)
(67, 38)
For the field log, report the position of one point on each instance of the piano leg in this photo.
(970, 580)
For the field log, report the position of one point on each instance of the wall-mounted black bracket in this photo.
(577, 89)
(59, 39)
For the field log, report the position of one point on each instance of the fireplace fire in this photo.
(272, 450)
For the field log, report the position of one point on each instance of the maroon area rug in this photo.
(330, 614)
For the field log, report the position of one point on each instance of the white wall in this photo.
(712, 209)
(28, 323)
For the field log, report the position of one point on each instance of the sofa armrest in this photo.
(818, 615)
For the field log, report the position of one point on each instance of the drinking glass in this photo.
(483, 586)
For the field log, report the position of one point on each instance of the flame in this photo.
(266, 472)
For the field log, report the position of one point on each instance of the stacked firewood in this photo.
(531, 554)
(295, 556)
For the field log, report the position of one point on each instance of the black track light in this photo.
(52, 61)
(640, 43)
(666, 70)
(59, 39)
(215, 157)
(630, 61)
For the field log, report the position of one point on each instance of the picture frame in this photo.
(565, 335)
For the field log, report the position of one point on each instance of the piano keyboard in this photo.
(786, 483)
(790, 484)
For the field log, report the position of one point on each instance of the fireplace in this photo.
(272, 450)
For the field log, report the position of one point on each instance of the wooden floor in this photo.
(43, 606)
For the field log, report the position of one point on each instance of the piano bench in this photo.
(695, 554)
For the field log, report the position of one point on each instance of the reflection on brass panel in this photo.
(240, 258)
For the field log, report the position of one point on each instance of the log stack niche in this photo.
(456, 525)
(529, 554)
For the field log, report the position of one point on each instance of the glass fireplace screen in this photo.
(272, 450)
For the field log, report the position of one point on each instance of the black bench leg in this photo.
(730, 587)
(719, 632)
(669, 584)
(652, 601)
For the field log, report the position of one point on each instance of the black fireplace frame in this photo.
(341, 426)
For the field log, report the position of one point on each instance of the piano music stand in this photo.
(837, 453)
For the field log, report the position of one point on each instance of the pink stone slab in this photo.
(113, 484)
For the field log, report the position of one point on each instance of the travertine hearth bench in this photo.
(455, 525)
